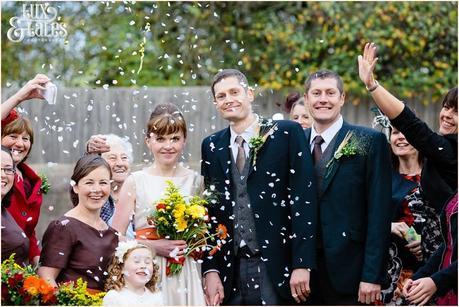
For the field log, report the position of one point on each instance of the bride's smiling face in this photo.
(166, 149)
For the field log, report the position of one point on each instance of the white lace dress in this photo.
(186, 287)
(126, 297)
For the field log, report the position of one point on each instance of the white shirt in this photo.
(247, 134)
(328, 134)
(126, 297)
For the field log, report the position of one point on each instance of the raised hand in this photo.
(31, 89)
(97, 144)
(367, 64)
(399, 229)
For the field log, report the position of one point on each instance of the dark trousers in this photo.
(252, 285)
(322, 290)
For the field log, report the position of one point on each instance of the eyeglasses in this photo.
(9, 170)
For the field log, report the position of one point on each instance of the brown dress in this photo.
(79, 250)
(14, 240)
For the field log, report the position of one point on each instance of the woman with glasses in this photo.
(17, 135)
(13, 240)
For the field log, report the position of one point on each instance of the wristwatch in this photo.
(371, 89)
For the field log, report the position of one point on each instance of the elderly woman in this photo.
(17, 135)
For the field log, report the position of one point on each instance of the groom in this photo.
(353, 172)
(264, 175)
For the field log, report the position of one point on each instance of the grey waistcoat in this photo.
(244, 224)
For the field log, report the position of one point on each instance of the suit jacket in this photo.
(282, 196)
(355, 211)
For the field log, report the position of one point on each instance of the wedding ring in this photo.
(294, 295)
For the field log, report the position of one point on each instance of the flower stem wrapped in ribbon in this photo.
(178, 218)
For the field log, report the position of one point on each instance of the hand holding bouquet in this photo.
(177, 218)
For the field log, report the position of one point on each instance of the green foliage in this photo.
(76, 294)
(276, 43)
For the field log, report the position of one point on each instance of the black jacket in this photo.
(282, 196)
(355, 211)
(439, 174)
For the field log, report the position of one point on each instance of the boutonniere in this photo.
(264, 129)
(350, 146)
(45, 186)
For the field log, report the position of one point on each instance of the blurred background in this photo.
(118, 59)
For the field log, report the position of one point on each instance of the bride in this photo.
(166, 135)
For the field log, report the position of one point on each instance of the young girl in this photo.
(132, 277)
(166, 135)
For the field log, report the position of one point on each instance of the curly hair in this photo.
(115, 278)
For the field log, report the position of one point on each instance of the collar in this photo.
(248, 133)
(329, 133)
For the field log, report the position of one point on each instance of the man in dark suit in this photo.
(264, 174)
(353, 173)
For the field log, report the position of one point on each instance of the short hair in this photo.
(115, 272)
(324, 74)
(450, 100)
(6, 201)
(227, 73)
(18, 126)
(113, 139)
(85, 165)
(166, 119)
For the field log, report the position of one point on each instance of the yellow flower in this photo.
(196, 211)
(179, 211)
(163, 220)
(181, 224)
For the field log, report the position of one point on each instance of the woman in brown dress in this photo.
(14, 241)
(80, 243)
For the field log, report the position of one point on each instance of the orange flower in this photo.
(215, 250)
(222, 232)
(32, 285)
(45, 288)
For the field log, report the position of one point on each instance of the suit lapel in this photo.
(330, 173)
(222, 151)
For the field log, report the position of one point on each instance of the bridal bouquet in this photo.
(178, 218)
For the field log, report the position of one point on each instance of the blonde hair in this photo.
(115, 278)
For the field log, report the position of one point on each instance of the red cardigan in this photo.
(26, 211)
